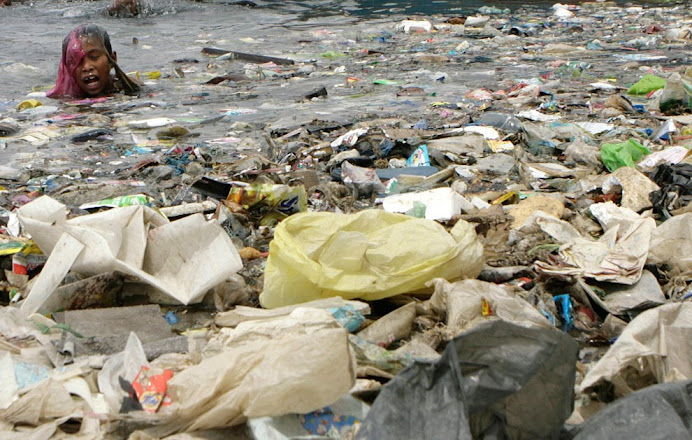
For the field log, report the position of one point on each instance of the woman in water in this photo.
(86, 64)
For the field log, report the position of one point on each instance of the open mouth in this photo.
(91, 81)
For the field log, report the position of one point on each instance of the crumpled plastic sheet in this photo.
(618, 256)
(270, 377)
(655, 346)
(240, 314)
(461, 302)
(42, 404)
(45, 431)
(671, 244)
(498, 380)
(126, 365)
(391, 327)
(363, 181)
(622, 154)
(656, 412)
(301, 321)
(620, 299)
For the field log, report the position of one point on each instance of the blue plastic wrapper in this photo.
(27, 374)
(348, 317)
(324, 422)
(419, 158)
(564, 307)
(386, 147)
(138, 150)
(340, 420)
(422, 124)
(384, 37)
(171, 317)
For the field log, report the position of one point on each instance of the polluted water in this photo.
(348, 219)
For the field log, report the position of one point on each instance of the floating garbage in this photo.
(440, 226)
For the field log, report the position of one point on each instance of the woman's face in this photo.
(93, 73)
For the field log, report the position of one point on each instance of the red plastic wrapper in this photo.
(523, 282)
(19, 265)
(150, 386)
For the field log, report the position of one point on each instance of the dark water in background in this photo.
(368, 7)
(31, 31)
(379, 8)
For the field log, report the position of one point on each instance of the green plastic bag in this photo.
(646, 85)
(624, 154)
(332, 54)
(386, 82)
(371, 255)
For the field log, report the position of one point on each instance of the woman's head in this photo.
(87, 60)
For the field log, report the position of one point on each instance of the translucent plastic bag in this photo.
(676, 96)
(370, 255)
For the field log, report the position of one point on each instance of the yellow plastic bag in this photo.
(28, 103)
(370, 255)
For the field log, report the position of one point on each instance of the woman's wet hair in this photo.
(89, 30)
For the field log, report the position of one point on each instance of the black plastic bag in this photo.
(496, 381)
(676, 187)
(657, 412)
(424, 401)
